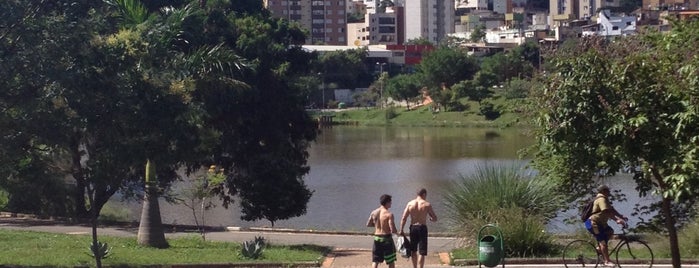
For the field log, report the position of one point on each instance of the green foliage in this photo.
(391, 113)
(489, 110)
(132, 12)
(478, 34)
(355, 17)
(346, 68)
(501, 67)
(519, 204)
(419, 41)
(100, 250)
(198, 193)
(185, 87)
(444, 67)
(474, 90)
(608, 106)
(113, 214)
(688, 239)
(516, 89)
(253, 249)
(4, 198)
(404, 87)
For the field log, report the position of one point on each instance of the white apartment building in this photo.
(611, 26)
(472, 4)
(429, 19)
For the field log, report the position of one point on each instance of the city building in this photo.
(611, 26)
(432, 20)
(670, 4)
(325, 20)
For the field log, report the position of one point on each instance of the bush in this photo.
(520, 205)
(253, 249)
(391, 113)
(4, 199)
(489, 111)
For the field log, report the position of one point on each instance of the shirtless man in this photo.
(418, 209)
(384, 225)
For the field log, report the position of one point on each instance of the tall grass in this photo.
(520, 205)
(688, 239)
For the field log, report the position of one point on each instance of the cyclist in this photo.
(596, 224)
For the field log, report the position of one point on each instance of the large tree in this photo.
(405, 87)
(345, 68)
(630, 103)
(447, 66)
(166, 90)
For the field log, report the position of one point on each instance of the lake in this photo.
(351, 166)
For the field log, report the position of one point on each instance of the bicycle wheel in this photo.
(580, 253)
(634, 253)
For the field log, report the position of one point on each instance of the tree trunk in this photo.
(150, 229)
(671, 232)
(669, 221)
(93, 224)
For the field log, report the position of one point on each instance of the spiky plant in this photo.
(100, 250)
(253, 249)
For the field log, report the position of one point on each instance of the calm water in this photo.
(352, 166)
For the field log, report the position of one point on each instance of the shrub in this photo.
(489, 111)
(391, 113)
(520, 205)
(253, 249)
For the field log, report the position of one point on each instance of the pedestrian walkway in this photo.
(362, 258)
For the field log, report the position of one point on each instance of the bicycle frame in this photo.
(622, 237)
(628, 246)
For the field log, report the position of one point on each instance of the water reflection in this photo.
(352, 166)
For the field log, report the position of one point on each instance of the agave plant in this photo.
(253, 249)
(100, 250)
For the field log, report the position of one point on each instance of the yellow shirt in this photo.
(601, 212)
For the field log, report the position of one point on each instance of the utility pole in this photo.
(380, 82)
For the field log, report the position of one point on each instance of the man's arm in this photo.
(392, 224)
(370, 222)
(430, 211)
(404, 218)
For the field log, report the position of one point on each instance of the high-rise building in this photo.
(325, 20)
(565, 10)
(432, 20)
(670, 4)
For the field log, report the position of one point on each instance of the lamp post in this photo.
(322, 90)
(380, 81)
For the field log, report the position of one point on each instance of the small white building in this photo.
(611, 26)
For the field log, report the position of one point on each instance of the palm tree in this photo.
(167, 64)
(150, 230)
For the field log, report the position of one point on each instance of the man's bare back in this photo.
(383, 221)
(418, 209)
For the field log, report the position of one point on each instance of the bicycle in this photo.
(629, 250)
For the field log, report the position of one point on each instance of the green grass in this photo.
(27, 248)
(423, 116)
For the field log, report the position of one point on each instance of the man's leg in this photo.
(422, 246)
(605, 251)
(376, 254)
(413, 257)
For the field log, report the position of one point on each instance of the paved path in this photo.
(350, 250)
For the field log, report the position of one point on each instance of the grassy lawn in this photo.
(49, 249)
(423, 116)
